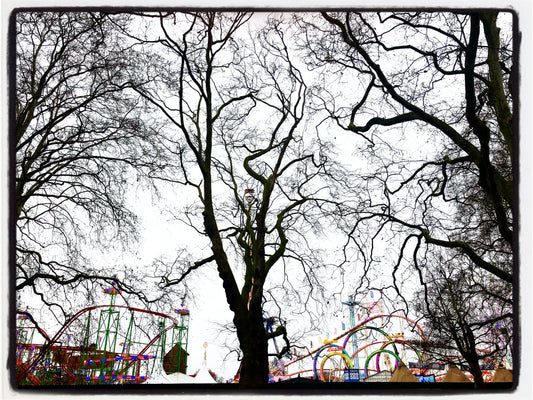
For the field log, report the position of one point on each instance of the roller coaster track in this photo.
(24, 369)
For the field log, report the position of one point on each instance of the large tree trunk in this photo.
(248, 320)
(254, 345)
(475, 370)
(471, 357)
(254, 370)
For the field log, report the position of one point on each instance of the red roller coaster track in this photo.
(24, 369)
(348, 332)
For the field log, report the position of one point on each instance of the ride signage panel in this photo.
(426, 366)
(425, 378)
(351, 375)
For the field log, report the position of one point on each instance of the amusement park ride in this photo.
(340, 362)
(104, 344)
(334, 362)
(364, 352)
(108, 350)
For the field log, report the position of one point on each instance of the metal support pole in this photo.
(351, 303)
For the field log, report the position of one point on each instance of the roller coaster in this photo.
(123, 345)
(118, 344)
(334, 361)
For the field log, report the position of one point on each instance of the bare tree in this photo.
(445, 81)
(235, 117)
(466, 320)
(79, 143)
(193, 99)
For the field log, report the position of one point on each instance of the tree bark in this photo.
(254, 346)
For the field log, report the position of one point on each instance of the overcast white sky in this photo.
(210, 309)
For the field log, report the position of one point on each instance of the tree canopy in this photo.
(79, 143)
(314, 155)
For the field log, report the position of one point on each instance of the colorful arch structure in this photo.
(344, 358)
(315, 354)
(321, 349)
(336, 350)
(361, 326)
